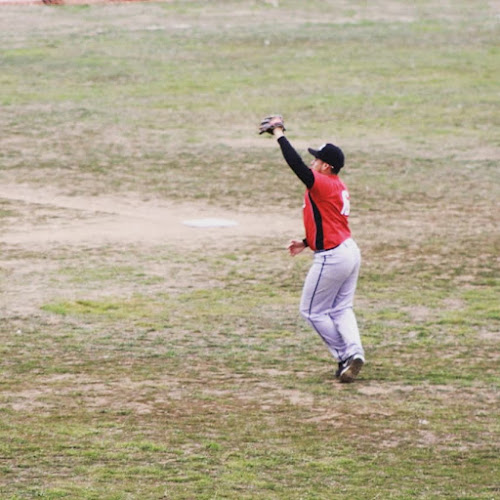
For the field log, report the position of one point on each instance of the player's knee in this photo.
(305, 314)
(310, 316)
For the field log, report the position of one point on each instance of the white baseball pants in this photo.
(327, 299)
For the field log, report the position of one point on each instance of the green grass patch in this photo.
(151, 371)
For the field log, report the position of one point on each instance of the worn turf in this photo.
(142, 367)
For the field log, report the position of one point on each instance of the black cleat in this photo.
(350, 368)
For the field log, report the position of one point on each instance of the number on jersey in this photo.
(346, 209)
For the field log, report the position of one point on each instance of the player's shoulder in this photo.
(328, 180)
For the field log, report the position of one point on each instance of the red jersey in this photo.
(326, 211)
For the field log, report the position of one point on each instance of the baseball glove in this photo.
(269, 123)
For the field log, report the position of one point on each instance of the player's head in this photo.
(331, 154)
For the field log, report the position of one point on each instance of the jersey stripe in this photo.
(318, 221)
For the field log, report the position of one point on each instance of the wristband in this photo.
(305, 242)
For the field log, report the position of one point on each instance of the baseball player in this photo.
(328, 292)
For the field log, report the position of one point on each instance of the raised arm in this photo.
(291, 156)
(295, 162)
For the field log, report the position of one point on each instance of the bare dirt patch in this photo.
(129, 219)
(46, 223)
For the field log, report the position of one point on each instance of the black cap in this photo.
(331, 154)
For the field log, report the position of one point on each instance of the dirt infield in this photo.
(74, 220)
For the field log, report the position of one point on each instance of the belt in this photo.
(327, 249)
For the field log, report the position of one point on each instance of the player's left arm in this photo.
(295, 162)
(275, 126)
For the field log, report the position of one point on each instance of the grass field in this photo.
(143, 360)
